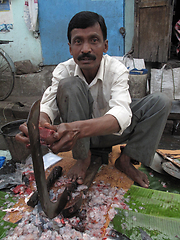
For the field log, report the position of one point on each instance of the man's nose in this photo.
(86, 47)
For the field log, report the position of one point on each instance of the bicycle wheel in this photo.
(7, 77)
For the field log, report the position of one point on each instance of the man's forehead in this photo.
(92, 30)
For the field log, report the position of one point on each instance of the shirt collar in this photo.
(99, 74)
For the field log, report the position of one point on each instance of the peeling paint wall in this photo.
(24, 46)
(129, 24)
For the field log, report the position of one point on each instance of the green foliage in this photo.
(5, 226)
(156, 212)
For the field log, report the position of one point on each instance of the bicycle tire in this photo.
(7, 77)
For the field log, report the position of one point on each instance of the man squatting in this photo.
(90, 93)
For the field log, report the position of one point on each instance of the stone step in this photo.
(16, 107)
(33, 84)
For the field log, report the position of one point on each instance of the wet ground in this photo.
(170, 140)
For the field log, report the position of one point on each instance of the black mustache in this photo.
(86, 55)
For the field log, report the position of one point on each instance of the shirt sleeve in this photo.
(48, 101)
(120, 99)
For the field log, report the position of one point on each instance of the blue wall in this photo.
(54, 18)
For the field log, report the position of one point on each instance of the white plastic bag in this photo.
(50, 159)
(137, 77)
(131, 62)
(167, 81)
(31, 14)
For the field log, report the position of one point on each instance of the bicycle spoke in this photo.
(6, 78)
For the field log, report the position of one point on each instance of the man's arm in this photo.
(104, 125)
(44, 121)
(67, 134)
(48, 107)
(48, 101)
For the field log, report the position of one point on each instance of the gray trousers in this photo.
(149, 117)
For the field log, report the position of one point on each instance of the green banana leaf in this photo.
(155, 212)
(5, 226)
(158, 228)
(163, 182)
(153, 202)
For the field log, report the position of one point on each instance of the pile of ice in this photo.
(89, 224)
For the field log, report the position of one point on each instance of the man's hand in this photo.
(23, 136)
(44, 120)
(65, 135)
(59, 138)
(65, 138)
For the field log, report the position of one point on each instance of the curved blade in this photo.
(51, 209)
(171, 169)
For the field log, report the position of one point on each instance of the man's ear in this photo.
(70, 50)
(105, 46)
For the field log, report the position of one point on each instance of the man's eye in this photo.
(77, 41)
(94, 40)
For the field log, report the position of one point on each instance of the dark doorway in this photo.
(174, 39)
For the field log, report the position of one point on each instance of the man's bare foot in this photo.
(124, 164)
(78, 170)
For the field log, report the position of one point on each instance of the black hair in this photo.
(86, 19)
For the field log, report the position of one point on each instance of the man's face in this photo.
(87, 47)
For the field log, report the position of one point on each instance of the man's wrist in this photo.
(44, 118)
